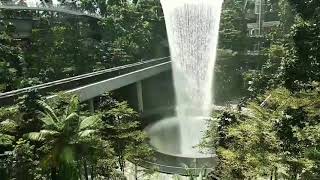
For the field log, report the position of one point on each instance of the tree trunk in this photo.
(135, 172)
(121, 164)
(271, 174)
(54, 173)
(92, 172)
(79, 170)
(85, 170)
(108, 174)
(275, 173)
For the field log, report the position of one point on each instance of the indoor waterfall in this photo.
(192, 28)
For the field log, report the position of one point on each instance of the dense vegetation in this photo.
(63, 45)
(61, 139)
(273, 134)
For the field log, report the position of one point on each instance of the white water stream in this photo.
(192, 27)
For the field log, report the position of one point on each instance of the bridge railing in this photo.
(42, 6)
(49, 88)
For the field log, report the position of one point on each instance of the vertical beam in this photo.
(91, 106)
(135, 172)
(139, 96)
(260, 17)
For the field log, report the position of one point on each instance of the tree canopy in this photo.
(274, 134)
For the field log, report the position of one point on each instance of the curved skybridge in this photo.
(91, 85)
(35, 5)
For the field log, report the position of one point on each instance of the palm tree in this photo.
(65, 138)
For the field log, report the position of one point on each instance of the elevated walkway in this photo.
(90, 85)
(59, 9)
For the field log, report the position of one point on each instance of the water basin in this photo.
(174, 155)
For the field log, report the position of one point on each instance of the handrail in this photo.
(52, 8)
(175, 167)
(100, 75)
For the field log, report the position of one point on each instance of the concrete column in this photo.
(135, 172)
(91, 106)
(139, 95)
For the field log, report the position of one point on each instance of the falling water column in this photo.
(192, 27)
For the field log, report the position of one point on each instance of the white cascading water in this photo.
(192, 27)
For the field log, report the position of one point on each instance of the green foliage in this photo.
(133, 30)
(11, 59)
(303, 68)
(271, 74)
(8, 128)
(122, 129)
(66, 135)
(233, 28)
(278, 140)
(6, 140)
(293, 55)
(24, 161)
(69, 143)
(61, 44)
(28, 111)
(59, 139)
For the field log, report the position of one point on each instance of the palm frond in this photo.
(49, 122)
(6, 140)
(42, 135)
(8, 126)
(48, 111)
(86, 133)
(90, 122)
(72, 120)
(34, 136)
(73, 105)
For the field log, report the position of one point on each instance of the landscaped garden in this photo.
(266, 78)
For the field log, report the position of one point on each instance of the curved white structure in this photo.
(52, 8)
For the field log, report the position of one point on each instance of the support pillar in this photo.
(135, 172)
(91, 106)
(139, 96)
